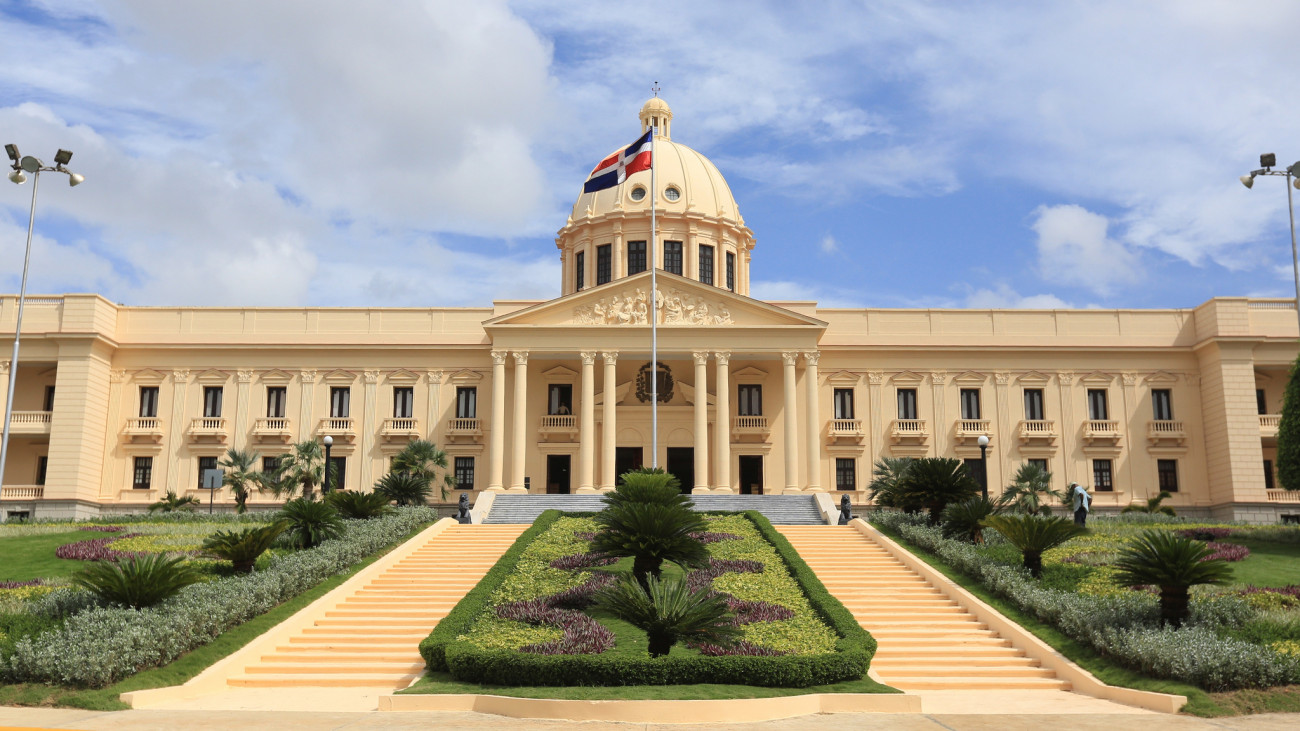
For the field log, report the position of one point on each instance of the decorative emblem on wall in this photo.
(665, 383)
(673, 306)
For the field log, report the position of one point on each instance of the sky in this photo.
(422, 154)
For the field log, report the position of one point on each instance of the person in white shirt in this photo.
(1082, 503)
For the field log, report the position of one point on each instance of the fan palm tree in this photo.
(423, 459)
(965, 520)
(651, 534)
(170, 503)
(302, 469)
(886, 478)
(1174, 564)
(1034, 535)
(1152, 505)
(669, 612)
(240, 465)
(1030, 491)
(242, 548)
(934, 482)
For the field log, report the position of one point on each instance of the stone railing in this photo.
(273, 427)
(30, 422)
(22, 492)
(208, 427)
(844, 429)
(909, 430)
(400, 427)
(750, 426)
(1166, 430)
(1283, 496)
(1104, 430)
(972, 429)
(461, 427)
(143, 428)
(1038, 430)
(1268, 424)
(339, 427)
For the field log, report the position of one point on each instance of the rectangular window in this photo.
(1167, 471)
(706, 264)
(275, 398)
(635, 257)
(464, 473)
(749, 400)
(49, 398)
(559, 400)
(1268, 474)
(970, 403)
(270, 465)
(1162, 404)
(338, 470)
(1039, 463)
(205, 464)
(975, 468)
(42, 467)
(579, 270)
(731, 271)
(340, 402)
(673, 257)
(1261, 402)
(212, 401)
(1097, 407)
(143, 473)
(1101, 476)
(1034, 404)
(604, 263)
(907, 403)
(466, 402)
(846, 477)
(844, 403)
(403, 402)
(148, 402)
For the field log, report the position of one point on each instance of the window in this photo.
(604, 265)
(464, 473)
(846, 473)
(148, 402)
(970, 403)
(205, 464)
(706, 264)
(275, 397)
(559, 401)
(212, 401)
(749, 400)
(1268, 474)
(635, 257)
(1167, 471)
(843, 403)
(1261, 402)
(673, 257)
(731, 271)
(466, 402)
(338, 470)
(270, 465)
(1101, 475)
(1162, 404)
(1039, 463)
(1034, 404)
(975, 468)
(403, 402)
(340, 402)
(42, 467)
(907, 403)
(1097, 410)
(143, 472)
(49, 398)
(580, 270)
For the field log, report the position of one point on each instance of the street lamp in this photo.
(1292, 175)
(329, 442)
(983, 441)
(22, 165)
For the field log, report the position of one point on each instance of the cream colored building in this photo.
(116, 405)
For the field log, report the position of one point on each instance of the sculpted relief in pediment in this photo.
(672, 307)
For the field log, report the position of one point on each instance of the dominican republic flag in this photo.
(614, 169)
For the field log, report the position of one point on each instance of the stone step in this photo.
(963, 683)
(407, 667)
(901, 665)
(355, 680)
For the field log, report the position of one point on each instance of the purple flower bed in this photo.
(740, 648)
(701, 578)
(582, 634)
(707, 537)
(102, 528)
(582, 561)
(1292, 590)
(20, 584)
(1205, 534)
(1226, 551)
(748, 612)
(96, 549)
(582, 595)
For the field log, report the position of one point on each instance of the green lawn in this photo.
(1269, 563)
(444, 683)
(32, 557)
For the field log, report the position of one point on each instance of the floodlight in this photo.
(62, 157)
(1267, 160)
(1248, 180)
(17, 177)
(13, 152)
(32, 164)
(74, 179)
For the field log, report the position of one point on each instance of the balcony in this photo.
(143, 429)
(970, 430)
(273, 428)
(743, 427)
(846, 429)
(564, 426)
(22, 492)
(909, 431)
(30, 423)
(1101, 432)
(1166, 432)
(400, 427)
(466, 429)
(339, 427)
(208, 429)
(1038, 431)
(1274, 496)
(1267, 425)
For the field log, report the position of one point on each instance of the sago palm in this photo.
(648, 486)
(311, 522)
(886, 479)
(422, 458)
(139, 581)
(171, 503)
(241, 473)
(1152, 505)
(651, 534)
(1034, 535)
(359, 505)
(965, 520)
(669, 612)
(1174, 564)
(404, 488)
(242, 548)
(933, 483)
(1030, 491)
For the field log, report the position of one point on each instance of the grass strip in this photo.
(443, 683)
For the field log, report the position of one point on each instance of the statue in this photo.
(462, 510)
(845, 510)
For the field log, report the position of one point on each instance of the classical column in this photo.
(701, 421)
(587, 427)
(308, 381)
(876, 425)
(497, 437)
(813, 420)
(1066, 381)
(519, 437)
(791, 424)
(176, 430)
(940, 422)
(435, 385)
(610, 434)
(722, 422)
(371, 421)
(243, 414)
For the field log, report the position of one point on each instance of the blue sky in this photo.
(886, 154)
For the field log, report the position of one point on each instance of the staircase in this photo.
(926, 640)
(371, 638)
(779, 509)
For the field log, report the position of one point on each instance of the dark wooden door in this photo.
(557, 474)
(681, 464)
(751, 474)
(626, 459)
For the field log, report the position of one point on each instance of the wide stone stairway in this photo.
(371, 638)
(926, 640)
(779, 509)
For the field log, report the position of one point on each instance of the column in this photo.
(701, 421)
(78, 436)
(587, 425)
(608, 453)
(308, 381)
(111, 479)
(243, 413)
(1067, 422)
(497, 435)
(722, 422)
(617, 258)
(4, 381)
(1005, 431)
(813, 419)
(876, 425)
(435, 387)
(519, 437)
(369, 427)
(791, 424)
(940, 424)
(176, 430)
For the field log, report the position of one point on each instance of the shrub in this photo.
(887, 483)
(310, 522)
(965, 521)
(239, 473)
(932, 483)
(95, 549)
(404, 488)
(139, 581)
(1030, 491)
(1205, 534)
(423, 460)
(359, 505)
(670, 612)
(1033, 535)
(242, 548)
(1225, 551)
(648, 486)
(171, 503)
(1172, 563)
(651, 533)
(1153, 506)
(1288, 433)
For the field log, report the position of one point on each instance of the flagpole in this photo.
(654, 314)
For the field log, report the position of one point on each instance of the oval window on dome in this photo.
(638, 193)
(672, 193)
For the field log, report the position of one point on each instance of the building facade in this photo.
(117, 405)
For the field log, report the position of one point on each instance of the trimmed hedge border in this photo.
(850, 661)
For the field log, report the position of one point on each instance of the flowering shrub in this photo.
(1266, 598)
(1226, 551)
(707, 537)
(95, 549)
(582, 634)
(103, 528)
(582, 561)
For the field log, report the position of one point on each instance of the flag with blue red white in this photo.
(614, 169)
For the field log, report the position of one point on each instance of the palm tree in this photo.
(886, 477)
(651, 485)
(423, 459)
(171, 503)
(934, 482)
(669, 612)
(651, 534)
(1030, 491)
(404, 488)
(310, 522)
(1174, 564)
(241, 548)
(303, 468)
(1153, 505)
(138, 581)
(1034, 534)
(359, 505)
(239, 465)
(965, 520)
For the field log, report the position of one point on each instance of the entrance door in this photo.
(557, 474)
(681, 464)
(751, 474)
(626, 459)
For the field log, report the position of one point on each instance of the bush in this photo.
(310, 522)
(242, 548)
(1034, 535)
(670, 612)
(404, 488)
(651, 533)
(359, 505)
(1172, 563)
(965, 521)
(172, 503)
(139, 581)
(648, 486)
(932, 483)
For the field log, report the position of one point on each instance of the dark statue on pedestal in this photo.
(845, 510)
(462, 510)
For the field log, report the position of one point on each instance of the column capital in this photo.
(1002, 379)
(1065, 377)
(938, 378)
(117, 375)
(611, 357)
(181, 375)
(875, 378)
(4, 366)
(701, 357)
(812, 356)
(308, 376)
(521, 357)
(588, 357)
(434, 376)
(1129, 378)
(790, 357)
(499, 357)
(722, 356)
(244, 376)
(370, 376)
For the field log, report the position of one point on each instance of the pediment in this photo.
(1034, 378)
(465, 376)
(907, 378)
(339, 377)
(748, 374)
(970, 378)
(682, 302)
(843, 379)
(1097, 378)
(404, 377)
(212, 376)
(277, 376)
(560, 373)
(149, 375)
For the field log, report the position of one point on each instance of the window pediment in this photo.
(1034, 378)
(466, 377)
(276, 377)
(212, 377)
(404, 377)
(149, 376)
(844, 379)
(749, 374)
(907, 378)
(560, 374)
(1097, 378)
(970, 379)
(340, 377)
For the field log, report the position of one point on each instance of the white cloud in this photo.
(828, 244)
(1003, 297)
(1074, 248)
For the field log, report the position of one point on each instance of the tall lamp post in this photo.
(1292, 174)
(22, 165)
(983, 441)
(329, 442)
